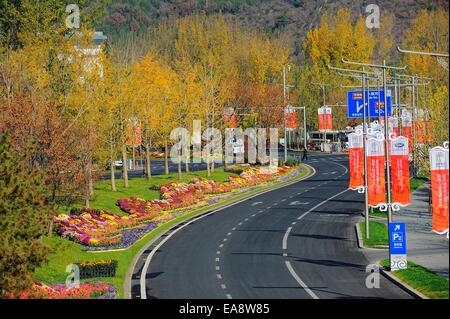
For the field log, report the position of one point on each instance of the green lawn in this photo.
(378, 235)
(66, 252)
(106, 199)
(417, 182)
(425, 281)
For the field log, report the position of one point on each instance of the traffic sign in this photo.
(397, 245)
(375, 99)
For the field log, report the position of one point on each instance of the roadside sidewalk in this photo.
(425, 248)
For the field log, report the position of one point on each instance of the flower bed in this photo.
(102, 230)
(87, 290)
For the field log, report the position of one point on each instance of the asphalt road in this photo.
(296, 242)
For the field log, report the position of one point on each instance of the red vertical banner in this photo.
(291, 120)
(230, 118)
(439, 189)
(407, 128)
(328, 118)
(356, 160)
(375, 172)
(321, 113)
(400, 171)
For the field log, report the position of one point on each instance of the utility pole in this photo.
(323, 86)
(284, 113)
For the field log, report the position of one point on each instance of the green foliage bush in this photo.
(24, 218)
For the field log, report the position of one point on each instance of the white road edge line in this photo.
(300, 281)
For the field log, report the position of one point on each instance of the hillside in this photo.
(293, 18)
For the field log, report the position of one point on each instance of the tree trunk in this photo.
(166, 158)
(148, 161)
(212, 167)
(208, 168)
(113, 175)
(91, 181)
(188, 159)
(50, 228)
(124, 165)
(86, 196)
(180, 174)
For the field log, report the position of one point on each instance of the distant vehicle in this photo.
(118, 163)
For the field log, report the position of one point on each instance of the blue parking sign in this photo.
(397, 238)
(374, 101)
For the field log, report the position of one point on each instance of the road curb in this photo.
(129, 273)
(401, 284)
(358, 236)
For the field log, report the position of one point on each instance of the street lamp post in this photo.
(383, 67)
(363, 74)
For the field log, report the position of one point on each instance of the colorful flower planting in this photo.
(91, 290)
(103, 230)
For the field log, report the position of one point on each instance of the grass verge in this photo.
(420, 278)
(105, 198)
(378, 235)
(66, 252)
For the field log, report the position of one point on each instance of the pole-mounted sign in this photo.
(356, 160)
(375, 101)
(375, 171)
(439, 164)
(400, 171)
(397, 245)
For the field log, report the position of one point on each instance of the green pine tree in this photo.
(24, 216)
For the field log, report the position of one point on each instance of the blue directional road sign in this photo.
(397, 238)
(375, 98)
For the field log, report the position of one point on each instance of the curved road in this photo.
(296, 242)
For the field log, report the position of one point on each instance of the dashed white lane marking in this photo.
(300, 281)
(217, 268)
(256, 203)
(296, 202)
(217, 260)
(229, 234)
(275, 204)
(246, 219)
(269, 207)
(218, 252)
(283, 200)
(234, 228)
(221, 246)
(286, 235)
(225, 239)
(228, 296)
(219, 276)
(253, 215)
(284, 255)
(293, 223)
(240, 224)
(223, 286)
